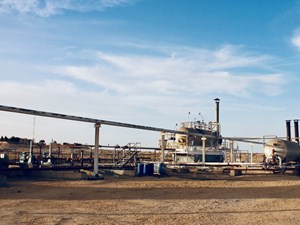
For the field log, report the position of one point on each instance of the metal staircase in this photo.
(129, 155)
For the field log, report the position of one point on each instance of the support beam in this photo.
(162, 147)
(251, 158)
(203, 150)
(96, 149)
(231, 151)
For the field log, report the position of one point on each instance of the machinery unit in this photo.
(198, 139)
(279, 151)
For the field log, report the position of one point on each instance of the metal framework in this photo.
(98, 123)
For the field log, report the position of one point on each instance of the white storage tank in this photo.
(286, 150)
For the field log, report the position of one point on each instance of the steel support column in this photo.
(96, 149)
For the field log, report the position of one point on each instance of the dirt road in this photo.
(247, 199)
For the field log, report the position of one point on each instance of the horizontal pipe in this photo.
(117, 124)
(90, 120)
(216, 164)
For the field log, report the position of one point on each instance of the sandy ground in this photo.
(247, 199)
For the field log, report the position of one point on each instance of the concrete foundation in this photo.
(124, 172)
(234, 173)
(64, 175)
(75, 175)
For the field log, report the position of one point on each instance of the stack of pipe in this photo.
(296, 130)
(296, 127)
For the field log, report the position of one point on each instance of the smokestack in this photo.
(296, 126)
(288, 130)
(217, 101)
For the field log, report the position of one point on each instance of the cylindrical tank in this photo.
(195, 140)
(148, 169)
(286, 150)
(140, 169)
(297, 171)
(160, 168)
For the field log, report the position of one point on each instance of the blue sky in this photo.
(149, 62)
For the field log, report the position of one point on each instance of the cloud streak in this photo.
(226, 71)
(45, 8)
(296, 39)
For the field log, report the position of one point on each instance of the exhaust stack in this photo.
(288, 130)
(296, 127)
(217, 101)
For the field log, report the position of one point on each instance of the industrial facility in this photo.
(194, 144)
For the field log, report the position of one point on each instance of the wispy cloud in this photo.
(296, 38)
(45, 8)
(129, 87)
(154, 88)
(226, 70)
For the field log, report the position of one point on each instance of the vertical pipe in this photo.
(30, 154)
(251, 153)
(81, 156)
(40, 145)
(31, 149)
(296, 127)
(217, 101)
(91, 154)
(175, 158)
(50, 152)
(288, 130)
(96, 149)
(203, 150)
(231, 151)
(162, 147)
(115, 154)
(50, 149)
(58, 153)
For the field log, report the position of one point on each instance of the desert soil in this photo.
(215, 199)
